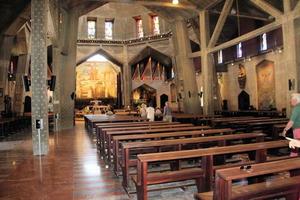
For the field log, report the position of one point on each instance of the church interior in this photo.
(149, 99)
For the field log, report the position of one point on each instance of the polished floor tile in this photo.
(71, 170)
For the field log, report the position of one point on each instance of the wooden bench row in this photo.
(128, 149)
(206, 170)
(289, 187)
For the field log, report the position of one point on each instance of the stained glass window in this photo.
(220, 57)
(139, 28)
(109, 29)
(239, 52)
(155, 23)
(263, 42)
(91, 29)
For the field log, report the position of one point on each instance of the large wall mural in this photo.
(96, 80)
(265, 85)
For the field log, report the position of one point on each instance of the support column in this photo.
(39, 103)
(127, 82)
(23, 61)
(68, 65)
(206, 65)
(185, 68)
(57, 42)
(6, 44)
(289, 30)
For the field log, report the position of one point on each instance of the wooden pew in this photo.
(124, 126)
(91, 120)
(143, 179)
(288, 187)
(223, 121)
(263, 125)
(108, 135)
(177, 144)
(118, 139)
(277, 129)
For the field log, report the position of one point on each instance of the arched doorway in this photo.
(27, 104)
(163, 99)
(144, 94)
(98, 78)
(244, 101)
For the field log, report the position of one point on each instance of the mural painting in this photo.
(265, 85)
(96, 80)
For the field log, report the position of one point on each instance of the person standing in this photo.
(150, 113)
(143, 110)
(294, 121)
(167, 115)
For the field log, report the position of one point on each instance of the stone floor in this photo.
(71, 170)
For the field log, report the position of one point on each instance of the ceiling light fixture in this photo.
(175, 2)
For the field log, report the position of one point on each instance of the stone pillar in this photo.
(206, 64)
(39, 103)
(67, 73)
(127, 81)
(23, 61)
(6, 44)
(57, 42)
(185, 68)
(289, 31)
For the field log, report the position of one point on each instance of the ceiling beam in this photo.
(297, 7)
(156, 3)
(242, 16)
(268, 8)
(220, 24)
(212, 4)
(247, 36)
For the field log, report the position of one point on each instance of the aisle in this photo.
(71, 170)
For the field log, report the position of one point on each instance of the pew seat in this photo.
(270, 189)
(172, 176)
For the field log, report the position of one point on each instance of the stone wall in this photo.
(230, 87)
(124, 23)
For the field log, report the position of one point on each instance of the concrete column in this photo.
(6, 44)
(39, 103)
(127, 81)
(290, 30)
(57, 42)
(67, 73)
(206, 65)
(23, 61)
(185, 68)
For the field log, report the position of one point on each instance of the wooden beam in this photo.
(220, 24)
(268, 8)
(247, 36)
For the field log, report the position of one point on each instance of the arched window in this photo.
(239, 51)
(220, 57)
(263, 42)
